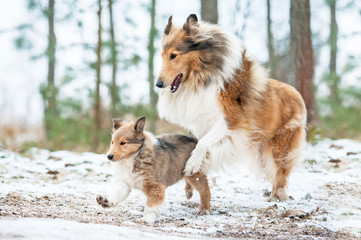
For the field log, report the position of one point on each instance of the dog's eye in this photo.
(172, 56)
(122, 143)
(112, 142)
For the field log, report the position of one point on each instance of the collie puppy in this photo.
(151, 164)
(211, 87)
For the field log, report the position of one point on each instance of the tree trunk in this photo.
(50, 109)
(97, 122)
(113, 51)
(302, 54)
(151, 50)
(209, 11)
(333, 77)
(272, 61)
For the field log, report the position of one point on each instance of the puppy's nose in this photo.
(160, 83)
(110, 156)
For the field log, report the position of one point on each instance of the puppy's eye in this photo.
(122, 143)
(112, 142)
(173, 56)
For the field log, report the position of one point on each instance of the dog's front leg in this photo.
(119, 191)
(218, 131)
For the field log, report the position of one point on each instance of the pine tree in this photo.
(272, 60)
(97, 110)
(115, 99)
(334, 78)
(50, 91)
(301, 52)
(209, 11)
(151, 51)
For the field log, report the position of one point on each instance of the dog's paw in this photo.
(103, 201)
(202, 212)
(280, 194)
(189, 195)
(194, 163)
(149, 218)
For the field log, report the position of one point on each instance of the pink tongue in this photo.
(175, 84)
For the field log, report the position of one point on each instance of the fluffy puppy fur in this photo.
(213, 88)
(151, 164)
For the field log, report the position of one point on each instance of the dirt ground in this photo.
(271, 222)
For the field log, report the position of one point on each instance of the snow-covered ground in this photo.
(51, 195)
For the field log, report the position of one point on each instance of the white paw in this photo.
(280, 194)
(194, 163)
(149, 218)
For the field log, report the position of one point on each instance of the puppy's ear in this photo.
(117, 123)
(139, 125)
(169, 26)
(192, 21)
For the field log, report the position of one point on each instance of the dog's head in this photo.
(190, 54)
(127, 138)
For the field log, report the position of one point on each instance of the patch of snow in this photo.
(34, 229)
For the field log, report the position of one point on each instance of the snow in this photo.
(51, 195)
(32, 228)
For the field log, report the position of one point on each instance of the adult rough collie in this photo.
(210, 86)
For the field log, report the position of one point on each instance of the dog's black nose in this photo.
(160, 83)
(110, 156)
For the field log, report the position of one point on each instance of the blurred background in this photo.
(67, 67)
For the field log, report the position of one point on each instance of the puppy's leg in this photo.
(155, 196)
(120, 191)
(189, 189)
(286, 150)
(200, 183)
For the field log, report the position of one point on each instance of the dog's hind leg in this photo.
(155, 196)
(286, 150)
(188, 189)
(200, 183)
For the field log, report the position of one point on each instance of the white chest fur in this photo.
(201, 114)
(123, 171)
(196, 111)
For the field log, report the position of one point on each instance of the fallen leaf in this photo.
(53, 172)
(336, 146)
(294, 213)
(351, 153)
(54, 158)
(335, 161)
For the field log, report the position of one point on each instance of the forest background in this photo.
(67, 67)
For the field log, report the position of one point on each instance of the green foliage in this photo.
(342, 120)
(351, 64)
(48, 91)
(32, 4)
(72, 128)
(134, 60)
(313, 134)
(23, 43)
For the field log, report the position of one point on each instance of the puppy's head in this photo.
(127, 138)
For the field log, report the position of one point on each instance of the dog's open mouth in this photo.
(175, 84)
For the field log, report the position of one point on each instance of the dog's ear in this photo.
(192, 21)
(169, 26)
(139, 125)
(117, 123)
